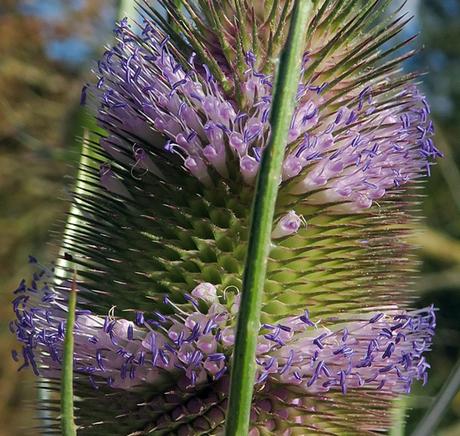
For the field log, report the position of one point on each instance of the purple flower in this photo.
(348, 152)
(381, 351)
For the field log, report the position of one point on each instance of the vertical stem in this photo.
(244, 363)
(67, 417)
(430, 421)
(399, 416)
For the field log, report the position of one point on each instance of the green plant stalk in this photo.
(63, 266)
(67, 416)
(399, 416)
(244, 363)
(429, 423)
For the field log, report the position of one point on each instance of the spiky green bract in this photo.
(167, 234)
(244, 358)
(223, 32)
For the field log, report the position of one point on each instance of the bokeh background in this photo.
(47, 49)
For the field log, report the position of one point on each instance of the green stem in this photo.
(67, 418)
(429, 423)
(399, 416)
(244, 363)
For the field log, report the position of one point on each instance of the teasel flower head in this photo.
(190, 349)
(160, 224)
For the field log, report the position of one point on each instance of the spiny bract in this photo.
(159, 228)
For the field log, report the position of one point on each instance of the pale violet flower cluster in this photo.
(381, 351)
(344, 151)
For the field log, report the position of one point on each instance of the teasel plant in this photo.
(239, 239)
